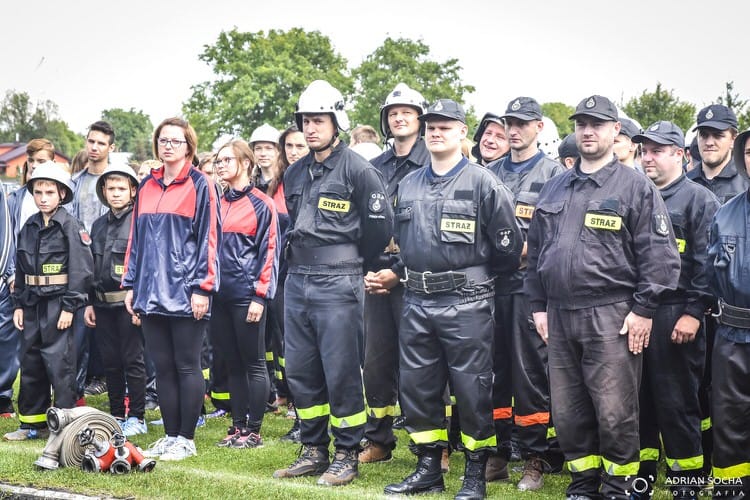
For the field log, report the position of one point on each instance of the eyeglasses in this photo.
(175, 143)
(224, 161)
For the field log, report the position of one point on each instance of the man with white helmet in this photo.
(53, 273)
(341, 220)
(399, 120)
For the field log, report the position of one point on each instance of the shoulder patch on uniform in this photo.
(661, 224)
(85, 237)
(504, 238)
(376, 204)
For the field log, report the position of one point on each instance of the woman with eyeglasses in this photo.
(249, 262)
(171, 273)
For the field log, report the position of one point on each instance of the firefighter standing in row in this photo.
(727, 272)
(674, 361)
(341, 220)
(399, 119)
(54, 269)
(456, 230)
(600, 252)
(524, 171)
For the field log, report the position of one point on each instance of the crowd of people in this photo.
(585, 311)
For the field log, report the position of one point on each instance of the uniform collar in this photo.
(672, 188)
(57, 217)
(599, 177)
(112, 216)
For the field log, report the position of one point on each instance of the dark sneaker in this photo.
(232, 434)
(247, 439)
(293, 436)
(312, 461)
(95, 387)
(152, 404)
(532, 479)
(26, 434)
(342, 470)
(374, 452)
(6, 408)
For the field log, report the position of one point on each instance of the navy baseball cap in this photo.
(717, 116)
(568, 147)
(523, 108)
(662, 132)
(629, 128)
(596, 106)
(445, 108)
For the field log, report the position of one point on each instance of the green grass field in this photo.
(227, 474)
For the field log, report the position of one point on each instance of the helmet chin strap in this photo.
(330, 143)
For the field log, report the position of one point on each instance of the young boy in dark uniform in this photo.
(120, 341)
(53, 274)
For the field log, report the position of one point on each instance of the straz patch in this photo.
(661, 224)
(457, 225)
(599, 221)
(51, 268)
(85, 237)
(681, 245)
(119, 270)
(524, 211)
(334, 205)
(376, 204)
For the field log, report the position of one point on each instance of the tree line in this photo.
(257, 78)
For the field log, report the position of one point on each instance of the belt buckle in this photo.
(424, 282)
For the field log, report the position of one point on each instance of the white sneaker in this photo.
(159, 447)
(180, 449)
(133, 426)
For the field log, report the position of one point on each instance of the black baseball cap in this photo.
(596, 106)
(568, 147)
(523, 108)
(662, 132)
(445, 108)
(717, 116)
(629, 128)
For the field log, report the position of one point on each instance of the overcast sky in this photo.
(91, 56)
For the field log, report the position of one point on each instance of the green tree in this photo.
(133, 130)
(408, 61)
(733, 101)
(559, 113)
(259, 78)
(21, 120)
(660, 104)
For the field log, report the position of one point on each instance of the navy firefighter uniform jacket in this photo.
(109, 235)
(460, 220)
(600, 239)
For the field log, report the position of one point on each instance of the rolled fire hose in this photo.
(63, 447)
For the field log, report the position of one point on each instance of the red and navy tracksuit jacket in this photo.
(249, 252)
(174, 242)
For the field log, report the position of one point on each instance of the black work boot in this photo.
(343, 469)
(474, 486)
(312, 461)
(427, 478)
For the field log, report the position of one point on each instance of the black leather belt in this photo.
(324, 255)
(445, 281)
(737, 317)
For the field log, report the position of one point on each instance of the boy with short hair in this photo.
(120, 341)
(53, 274)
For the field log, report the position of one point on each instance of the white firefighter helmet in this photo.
(549, 138)
(119, 169)
(321, 97)
(402, 95)
(264, 133)
(52, 171)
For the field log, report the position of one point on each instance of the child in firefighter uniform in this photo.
(53, 273)
(120, 341)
